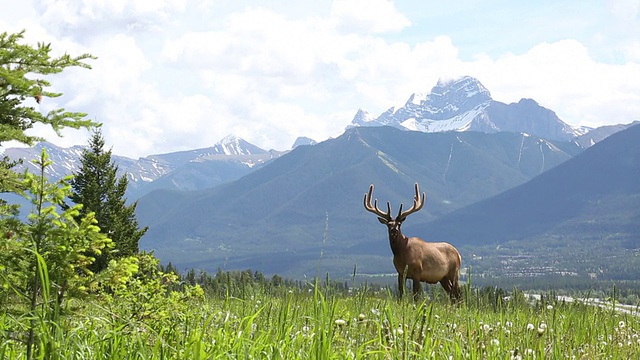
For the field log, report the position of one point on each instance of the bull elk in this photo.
(414, 258)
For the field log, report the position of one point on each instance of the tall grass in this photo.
(319, 323)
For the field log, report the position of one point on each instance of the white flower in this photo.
(486, 328)
(530, 327)
(621, 324)
(340, 322)
(361, 317)
(495, 342)
(549, 307)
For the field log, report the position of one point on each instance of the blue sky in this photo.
(182, 74)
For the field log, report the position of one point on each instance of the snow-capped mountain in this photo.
(466, 105)
(65, 161)
(232, 155)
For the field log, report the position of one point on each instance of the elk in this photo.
(414, 258)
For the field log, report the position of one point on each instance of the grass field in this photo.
(317, 322)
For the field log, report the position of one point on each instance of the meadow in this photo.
(260, 320)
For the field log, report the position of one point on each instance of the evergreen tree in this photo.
(98, 188)
(20, 68)
(22, 87)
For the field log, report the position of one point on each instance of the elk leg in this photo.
(417, 289)
(401, 280)
(447, 286)
(457, 295)
(452, 288)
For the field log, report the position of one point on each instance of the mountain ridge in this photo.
(560, 201)
(465, 104)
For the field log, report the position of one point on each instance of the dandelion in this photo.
(340, 322)
(486, 328)
(495, 342)
(549, 307)
(515, 355)
(542, 328)
(375, 312)
(362, 317)
(621, 324)
(508, 324)
(530, 327)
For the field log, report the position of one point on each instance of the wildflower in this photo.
(530, 327)
(340, 322)
(375, 312)
(621, 324)
(542, 328)
(508, 324)
(495, 342)
(549, 307)
(486, 328)
(362, 317)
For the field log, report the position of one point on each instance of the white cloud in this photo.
(176, 75)
(369, 16)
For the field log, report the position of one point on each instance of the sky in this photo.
(173, 75)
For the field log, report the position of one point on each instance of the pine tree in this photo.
(98, 188)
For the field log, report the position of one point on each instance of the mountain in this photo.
(303, 213)
(592, 197)
(466, 105)
(227, 160)
(593, 136)
(303, 140)
(64, 160)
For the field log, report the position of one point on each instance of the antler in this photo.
(374, 209)
(417, 205)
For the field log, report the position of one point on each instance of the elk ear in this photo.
(383, 220)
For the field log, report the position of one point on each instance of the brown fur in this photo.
(414, 258)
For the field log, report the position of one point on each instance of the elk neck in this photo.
(397, 241)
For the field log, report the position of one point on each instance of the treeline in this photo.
(241, 283)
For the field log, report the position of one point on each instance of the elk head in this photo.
(415, 258)
(393, 225)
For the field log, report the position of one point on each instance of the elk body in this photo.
(414, 258)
